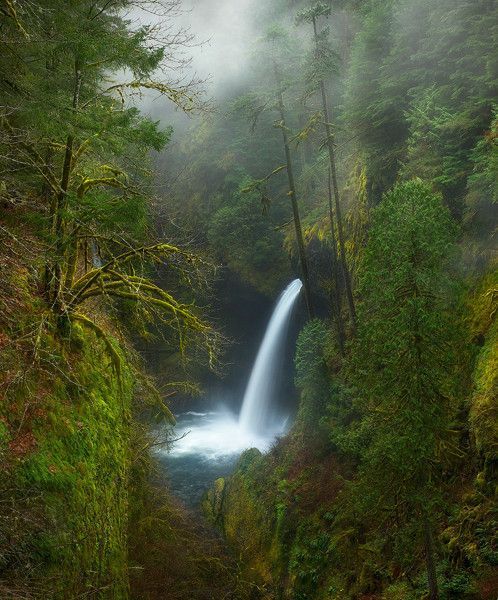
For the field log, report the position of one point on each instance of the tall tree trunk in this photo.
(429, 561)
(333, 169)
(85, 246)
(293, 196)
(336, 291)
(307, 149)
(48, 195)
(58, 225)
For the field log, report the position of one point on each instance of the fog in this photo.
(226, 28)
(215, 55)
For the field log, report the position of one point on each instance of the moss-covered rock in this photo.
(484, 400)
(212, 502)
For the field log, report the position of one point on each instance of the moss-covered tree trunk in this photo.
(293, 196)
(60, 205)
(336, 283)
(333, 170)
(429, 561)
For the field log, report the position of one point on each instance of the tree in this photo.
(78, 148)
(292, 191)
(404, 367)
(323, 62)
(374, 114)
(278, 52)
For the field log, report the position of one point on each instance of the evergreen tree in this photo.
(404, 367)
(75, 145)
(322, 66)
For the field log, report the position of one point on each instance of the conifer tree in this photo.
(404, 366)
(322, 64)
(74, 143)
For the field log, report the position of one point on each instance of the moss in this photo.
(483, 307)
(484, 404)
(68, 425)
(212, 502)
(398, 591)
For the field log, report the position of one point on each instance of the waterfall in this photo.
(262, 383)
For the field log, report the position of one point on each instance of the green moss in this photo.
(398, 591)
(484, 404)
(75, 472)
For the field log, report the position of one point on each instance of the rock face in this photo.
(235, 506)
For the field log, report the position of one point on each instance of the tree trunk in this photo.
(333, 170)
(58, 225)
(72, 258)
(336, 292)
(429, 561)
(293, 196)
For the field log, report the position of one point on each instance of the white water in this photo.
(209, 443)
(254, 415)
(210, 446)
(217, 435)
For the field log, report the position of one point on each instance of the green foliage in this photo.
(311, 378)
(310, 353)
(405, 365)
(75, 158)
(482, 194)
(313, 12)
(85, 151)
(374, 115)
(323, 60)
(420, 91)
(246, 241)
(171, 557)
(420, 101)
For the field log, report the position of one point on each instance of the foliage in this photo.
(429, 70)
(392, 460)
(89, 173)
(310, 350)
(245, 240)
(404, 365)
(77, 242)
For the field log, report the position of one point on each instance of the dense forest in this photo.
(150, 218)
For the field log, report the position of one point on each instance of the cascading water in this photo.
(210, 442)
(261, 387)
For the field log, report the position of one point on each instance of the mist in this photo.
(216, 56)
